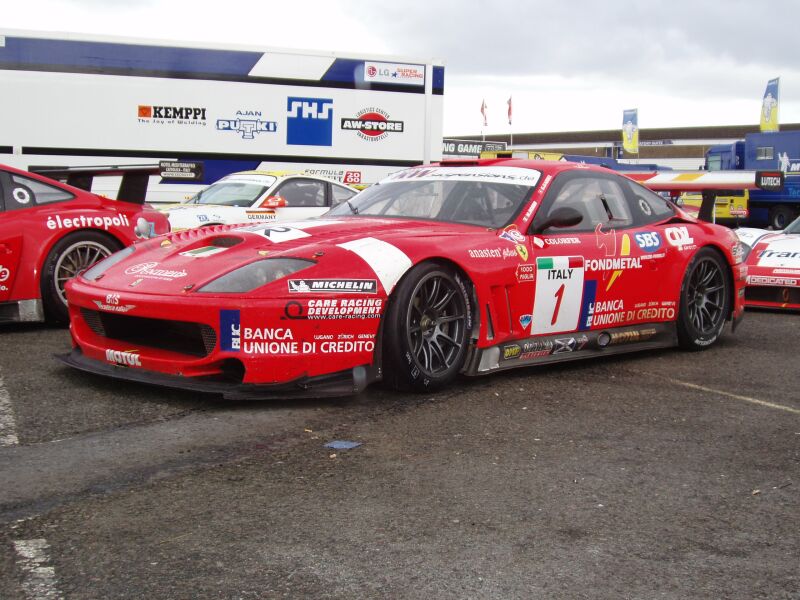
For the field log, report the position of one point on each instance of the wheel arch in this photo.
(729, 269)
(471, 292)
(42, 259)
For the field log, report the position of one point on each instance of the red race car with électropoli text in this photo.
(49, 231)
(465, 267)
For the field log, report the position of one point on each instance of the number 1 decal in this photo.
(559, 288)
(559, 297)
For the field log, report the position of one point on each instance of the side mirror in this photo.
(564, 216)
(274, 202)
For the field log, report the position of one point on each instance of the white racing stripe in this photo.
(8, 427)
(388, 262)
(40, 578)
(702, 388)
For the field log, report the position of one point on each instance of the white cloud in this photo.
(570, 66)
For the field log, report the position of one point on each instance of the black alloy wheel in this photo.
(427, 329)
(705, 300)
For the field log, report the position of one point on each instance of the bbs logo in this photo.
(648, 241)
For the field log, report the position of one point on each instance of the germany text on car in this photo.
(435, 271)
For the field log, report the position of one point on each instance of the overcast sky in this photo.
(572, 65)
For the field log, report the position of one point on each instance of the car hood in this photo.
(777, 250)
(344, 247)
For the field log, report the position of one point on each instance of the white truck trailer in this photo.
(87, 100)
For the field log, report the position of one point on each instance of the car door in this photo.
(588, 275)
(299, 198)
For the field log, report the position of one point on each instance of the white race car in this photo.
(259, 197)
(773, 267)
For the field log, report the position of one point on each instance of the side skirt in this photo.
(547, 349)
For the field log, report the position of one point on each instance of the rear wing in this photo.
(133, 188)
(135, 178)
(708, 183)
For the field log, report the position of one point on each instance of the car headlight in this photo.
(740, 252)
(98, 269)
(256, 274)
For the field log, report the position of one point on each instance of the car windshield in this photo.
(489, 198)
(232, 193)
(793, 227)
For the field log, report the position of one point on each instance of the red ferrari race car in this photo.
(50, 231)
(469, 268)
(773, 267)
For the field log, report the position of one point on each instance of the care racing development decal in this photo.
(333, 308)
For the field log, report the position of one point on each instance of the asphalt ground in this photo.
(659, 475)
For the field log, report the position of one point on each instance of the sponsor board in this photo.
(372, 124)
(485, 253)
(526, 272)
(767, 280)
(512, 175)
(512, 234)
(334, 308)
(124, 358)
(680, 238)
(354, 286)
(648, 241)
(570, 344)
(112, 304)
(309, 121)
(171, 115)
(604, 313)
(247, 123)
(59, 222)
(613, 338)
(149, 270)
(396, 73)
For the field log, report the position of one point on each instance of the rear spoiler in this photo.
(708, 183)
(135, 178)
(133, 188)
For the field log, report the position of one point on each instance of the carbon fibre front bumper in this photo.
(343, 383)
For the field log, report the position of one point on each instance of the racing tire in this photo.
(780, 217)
(427, 329)
(69, 256)
(705, 300)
